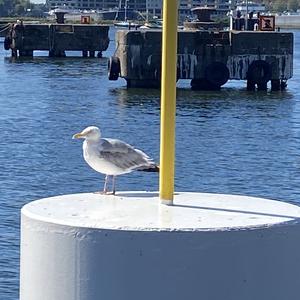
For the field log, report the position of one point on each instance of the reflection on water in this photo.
(232, 141)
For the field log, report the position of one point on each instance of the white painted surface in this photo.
(90, 246)
(141, 211)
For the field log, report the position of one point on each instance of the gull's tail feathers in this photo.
(150, 168)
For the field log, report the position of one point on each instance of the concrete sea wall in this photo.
(288, 21)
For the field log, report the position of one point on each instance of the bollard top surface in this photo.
(142, 211)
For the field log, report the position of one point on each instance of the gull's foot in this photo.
(110, 193)
(105, 193)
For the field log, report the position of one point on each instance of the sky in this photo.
(38, 1)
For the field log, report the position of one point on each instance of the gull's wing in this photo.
(123, 155)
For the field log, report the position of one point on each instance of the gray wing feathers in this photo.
(123, 155)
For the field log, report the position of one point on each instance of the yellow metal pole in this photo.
(168, 101)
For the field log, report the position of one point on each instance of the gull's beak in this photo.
(78, 136)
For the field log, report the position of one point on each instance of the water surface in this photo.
(232, 141)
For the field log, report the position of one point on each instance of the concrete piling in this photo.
(24, 39)
(130, 247)
(208, 58)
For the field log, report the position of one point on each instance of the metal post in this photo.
(246, 17)
(168, 101)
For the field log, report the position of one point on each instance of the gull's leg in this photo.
(105, 184)
(105, 187)
(113, 192)
(114, 185)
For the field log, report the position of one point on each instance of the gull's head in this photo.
(91, 133)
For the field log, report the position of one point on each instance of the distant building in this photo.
(252, 7)
(153, 7)
(222, 6)
(139, 5)
(185, 6)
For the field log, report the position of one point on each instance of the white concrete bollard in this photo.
(130, 247)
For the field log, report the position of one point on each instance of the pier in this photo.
(24, 39)
(208, 58)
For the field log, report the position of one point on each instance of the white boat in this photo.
(153, 24)
(126, 24)
(63, 9)
(122, 24)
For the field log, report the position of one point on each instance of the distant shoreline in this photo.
(282, 21)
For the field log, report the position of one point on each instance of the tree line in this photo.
(11, 8)
(282, 5)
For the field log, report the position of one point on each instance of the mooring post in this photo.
(130, 247)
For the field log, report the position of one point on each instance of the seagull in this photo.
(112, 157)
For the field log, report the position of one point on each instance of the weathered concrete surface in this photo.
(139, 53)
(59, 37)
(276, 48)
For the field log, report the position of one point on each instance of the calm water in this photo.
(231, 141)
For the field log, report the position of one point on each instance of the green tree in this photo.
(6, 7)
(279, 5)
(14, 7)
(293, 5)
(269, 5)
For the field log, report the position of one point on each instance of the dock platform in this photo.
(24, 39)
(208, 58)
